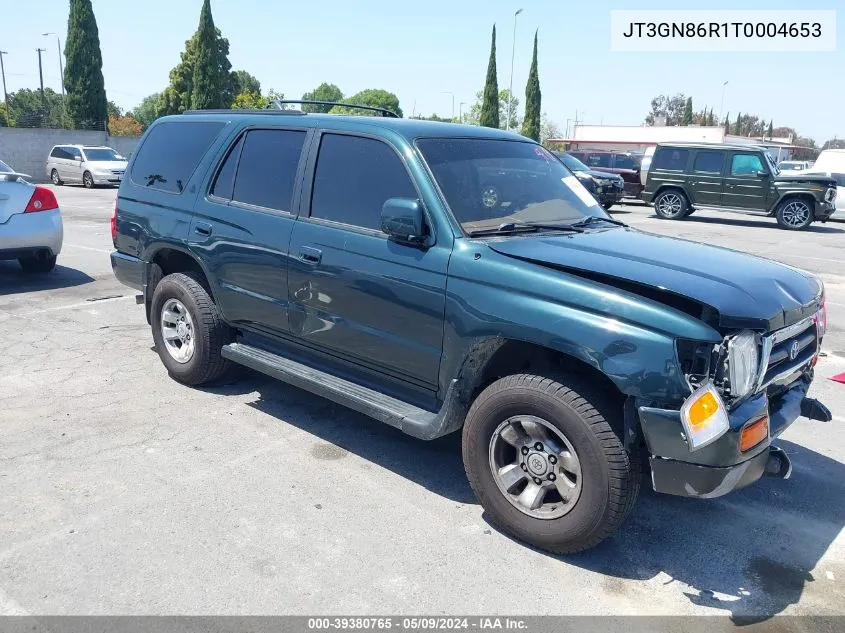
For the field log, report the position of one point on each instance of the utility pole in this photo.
(510, 89)
(722, 104)
(461, 111)
(5, 94)
(41, 78)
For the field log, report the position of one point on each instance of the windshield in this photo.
(491, 182)
(573, 163)
(772, 164)
(5, 168)
(103, 154)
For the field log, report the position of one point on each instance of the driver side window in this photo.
(746, 165)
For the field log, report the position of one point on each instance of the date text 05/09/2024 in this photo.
(723, 29)
(417, 624)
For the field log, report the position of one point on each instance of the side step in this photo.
(405, 417)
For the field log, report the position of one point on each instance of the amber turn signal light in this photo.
(754, 433)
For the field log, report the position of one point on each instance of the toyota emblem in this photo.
(793, 350)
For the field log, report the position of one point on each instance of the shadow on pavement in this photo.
(13, 280)
(435, 465)
(750, 553)
(762, 222)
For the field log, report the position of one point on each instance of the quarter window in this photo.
(670, 159)
(353, 179)
(709, 162)
(598, 160)
(746, 164)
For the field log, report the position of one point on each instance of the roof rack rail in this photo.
(279, 103)
(247, 111)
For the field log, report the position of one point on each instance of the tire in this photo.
(607, 207)
(203, 325)
(671, 204)
(54, 177)
(38, 264)
(608, 477)
(794, 214)
(88, 180)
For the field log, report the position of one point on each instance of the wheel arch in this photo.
(788, 195)
(166, 259)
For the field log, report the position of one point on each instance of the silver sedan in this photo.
(30, 222)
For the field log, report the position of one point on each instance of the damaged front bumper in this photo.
(721, 467)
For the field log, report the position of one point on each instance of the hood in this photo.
(108, 165)
(805, 178)
(732, 290)
(602, 175)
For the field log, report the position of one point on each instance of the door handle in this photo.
(202, 228)
(310, 255)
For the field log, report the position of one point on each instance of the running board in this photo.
(406, 417)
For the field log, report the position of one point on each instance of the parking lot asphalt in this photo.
(124, 492)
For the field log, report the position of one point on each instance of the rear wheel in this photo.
(188, 330)
(794, 214)
(38, 263)
(545, 463)
(671, 204)
(54, 177)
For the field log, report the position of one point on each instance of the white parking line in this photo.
(72, 306)
(87, 248)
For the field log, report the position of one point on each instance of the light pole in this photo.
(722, 105)
(5, 94)
(446, 92)
(510, 89)
(61, 70)
(461, 111)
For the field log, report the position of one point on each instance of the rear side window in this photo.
(709, 162)
(623, 161)
(58, 152)
(267, 168)
(354, 178)
(171, 153)
(746, 165)
(670, 158)
(224, 183)
(597, 160)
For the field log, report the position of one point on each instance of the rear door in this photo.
(369, 302)
(705, 180)
(744, 187)
(242, 227)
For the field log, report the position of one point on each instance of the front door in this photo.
(75, 165)
(366, 300)
(706, 177)
(747, 182)
(241, 229)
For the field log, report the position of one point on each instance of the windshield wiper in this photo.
(525, 227)
(590, 219)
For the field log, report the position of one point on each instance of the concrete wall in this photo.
(25, 149)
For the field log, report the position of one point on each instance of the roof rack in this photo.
(278, 103)
(247, 111)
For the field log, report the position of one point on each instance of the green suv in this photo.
(684, 177)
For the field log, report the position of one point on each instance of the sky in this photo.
(429, 51)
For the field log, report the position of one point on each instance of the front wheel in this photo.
(88, 180)
(545, 462)
(794, 214)
(671, 205)
(188, 330)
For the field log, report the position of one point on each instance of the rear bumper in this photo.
(29, 233)
(720, 467)
(129, 270)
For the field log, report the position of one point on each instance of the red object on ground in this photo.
(839, 378)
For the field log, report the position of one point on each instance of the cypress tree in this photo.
(771, 131)
(738, 125)
(687, 120)
(86, 102)
(208, 77)
(490, 104)
(531, 122)
(728, 124)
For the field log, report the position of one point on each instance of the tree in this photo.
(672, 108)
(433, 117)
(211, 57)
(834, 143)
(687, 120)
(533, 113)
(507, 103)
(112, 109)
(728, 124)
(86, 102)
(489, 116)
(323, 92)
(124, 126)
(370, 97)
(250, 100)
(28, 110)
(770, 130)
(738, 125)
(548, 129)
(711, 121)
(242, 82)
(145, 112)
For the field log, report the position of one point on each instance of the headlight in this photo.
(743, 363)
(704, 417)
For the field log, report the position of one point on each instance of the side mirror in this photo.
(403, 220)
(79, 158)
(762, 174)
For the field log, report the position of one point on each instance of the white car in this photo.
(794, 166)
(31, 228)
(85, 164)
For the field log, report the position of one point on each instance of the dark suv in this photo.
(364, 260)
(607, 188)
(625, 164)
(684, 177)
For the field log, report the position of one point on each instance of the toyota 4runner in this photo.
(361, 259)
(683, 177)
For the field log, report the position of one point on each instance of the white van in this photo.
(646, 163)
(831, 162)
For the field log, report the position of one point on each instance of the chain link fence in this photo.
(55, 120)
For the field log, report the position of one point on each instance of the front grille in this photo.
(118, 172)
(787, 351)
